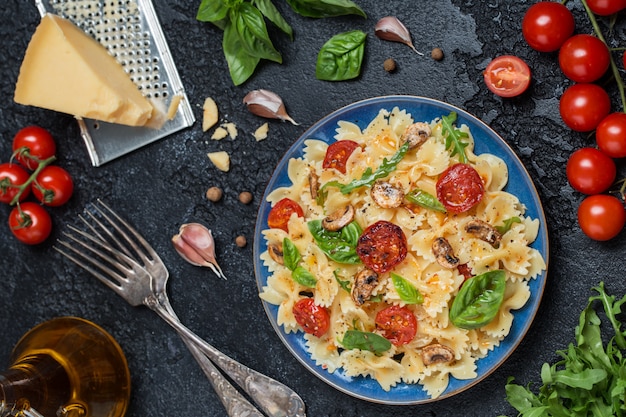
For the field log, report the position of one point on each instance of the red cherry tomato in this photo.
(546, 25)
(507, 76)
(601, 216)
(33, 142)
(11, 177)
(30, 223)
(611, 135)
(398, 324)
(53, 186)
(590, 171)
(382, 246)
(312, 318)
(584, 58)
(279, 215)
(460, 188)
(606, 7)
(583, 106)
(338, 153)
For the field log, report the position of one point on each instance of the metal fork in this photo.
(116, 254)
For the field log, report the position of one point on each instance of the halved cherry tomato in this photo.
(546, 25)
(398, 324)
(583, 106)
(382, 246)
(584, 58)
(338, 153)
(601, 216)
(590, 171)
(11, 177)
(33, 142)
(53, 186)
(312, 318)
(606, 7)
(507, 76)
(279, 215)
(611, 135)
(460, 188)
(30, 223)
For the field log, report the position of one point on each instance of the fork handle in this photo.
(273, 397)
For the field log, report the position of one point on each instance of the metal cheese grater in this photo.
(131, 32)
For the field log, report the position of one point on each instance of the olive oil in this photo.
(66, 367)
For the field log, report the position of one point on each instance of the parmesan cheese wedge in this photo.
(66, 70)
(220, 159)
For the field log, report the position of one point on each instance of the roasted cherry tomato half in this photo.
(398, 324)
(611, 135)
(53, 186)
(338, 153)
(601, 216)
(30, 223)
(33, 144)
(382, 246)
(583, 106)
(12, 176)
(590, 171)
(584, 58)
(507, 76)
(312, 318)
(546, 25)
(606, 7)
(460, 188)
(279, 215)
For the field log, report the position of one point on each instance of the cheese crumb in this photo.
(220, 159)
(173, 109)
(261, 132)
(219, 134)
(232, 129)
(210, 114)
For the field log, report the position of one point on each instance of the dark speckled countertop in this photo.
(163, 185)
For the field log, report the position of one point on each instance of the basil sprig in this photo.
(478, 301)
(341, 57)
(292, 258)
(325, 8)
(357, 339)
(454, 137)
(425, 199)
(407, 291)
(340, 246)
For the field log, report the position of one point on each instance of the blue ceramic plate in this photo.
(520, 184)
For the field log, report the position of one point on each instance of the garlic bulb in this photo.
(195, 244)
(265, 103)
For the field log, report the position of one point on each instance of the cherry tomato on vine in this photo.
(33, 141)
(611, 135)
(30, 223)
(398, 324)
(281, 213)
(312, 318)
(507, 76)
(546, 25)
(601, 216)
(53, 186)
(11, 177)
(590, 171)
(583, 106)
(606, 7)
(584, 58)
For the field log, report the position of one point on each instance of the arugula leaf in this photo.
(356, 339)
(454, 137)
(507, 224)
(479, 300)
(407, 292)
(325, 8)
(341, 56)
(424, 199)
(345, 284)
(340, 246)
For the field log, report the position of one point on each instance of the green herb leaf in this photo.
(214, 11)
(252, 31)
(241, 65)
(303, 277)
(267, 8)
(325, 8)
(506, 224)
(291, 255)
(356, 339)
(454, 137)
(345, 284)
(478, 300)
(407, 291)
(426, 200)
(341, 56)
(340, 246)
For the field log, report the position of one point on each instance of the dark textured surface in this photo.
(162, 186)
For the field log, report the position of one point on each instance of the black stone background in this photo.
(161, 186)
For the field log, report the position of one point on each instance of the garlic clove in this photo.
(195, 244)
(268, 104)
(391, 29)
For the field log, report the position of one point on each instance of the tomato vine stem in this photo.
(42, 164)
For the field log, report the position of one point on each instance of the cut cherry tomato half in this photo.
(398, 324)
(382, 246)
(338, 153)
(460, 188)
(312, 318)
(280, 214)
(507, 76)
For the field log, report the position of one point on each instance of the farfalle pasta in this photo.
(439, 250)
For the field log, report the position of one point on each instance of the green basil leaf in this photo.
(340, 246)
(213, 11)
(426, 200)
(252, 31)
(267, 8)
(454, 137)
(325, 8)
(506, 226)
(356, 339)
(291, 256)
(303, 277)
(241, 65)
(478, 300)
(341, 56)
(345, 284)
(407, 291)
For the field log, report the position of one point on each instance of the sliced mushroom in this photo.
(339, 218)
(484, 231)
(276, 253)
(386, 195)
(436, 353)
(364, 283)
(444, 253)
(416, 134)
(314, 184)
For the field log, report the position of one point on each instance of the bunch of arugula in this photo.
(590, 380)
(246, 39)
